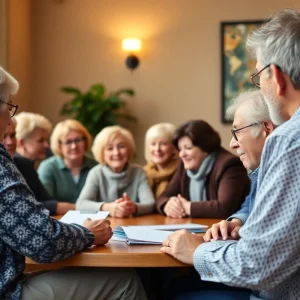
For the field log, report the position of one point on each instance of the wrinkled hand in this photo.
(185, 204)
(182, 245)
(224, 229)
(174, 208)
(101, 230)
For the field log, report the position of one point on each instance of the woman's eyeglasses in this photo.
(11, 107)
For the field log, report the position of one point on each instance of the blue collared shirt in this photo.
(266, 259)
(247, 206)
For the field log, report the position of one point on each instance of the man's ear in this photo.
(268, 127)
(279, 80)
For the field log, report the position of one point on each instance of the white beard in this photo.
(273, 107)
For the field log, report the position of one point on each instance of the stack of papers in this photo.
(78, 217)
(151, 235)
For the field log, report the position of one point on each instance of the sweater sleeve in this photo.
(145, 196)
(232, 187)
(89, 196)
(26, 228)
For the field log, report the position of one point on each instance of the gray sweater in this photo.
(102, 185)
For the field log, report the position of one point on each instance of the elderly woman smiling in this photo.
(210, 182)
(116, 185)
(64, 174)
(161, 156)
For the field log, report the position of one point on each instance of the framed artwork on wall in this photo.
(237, 62)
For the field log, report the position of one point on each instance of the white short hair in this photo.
(160, 130)
(27, 122)
(255, 108)
(8, 86)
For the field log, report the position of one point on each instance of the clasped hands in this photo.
(177, 207)
(121, 208)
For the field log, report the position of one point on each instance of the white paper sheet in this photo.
(77, 217)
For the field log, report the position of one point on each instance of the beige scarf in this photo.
(159, 179)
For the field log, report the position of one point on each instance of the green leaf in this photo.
(129, 92)
(98, 90)
(71, 90)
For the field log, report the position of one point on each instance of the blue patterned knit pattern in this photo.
(27, 230)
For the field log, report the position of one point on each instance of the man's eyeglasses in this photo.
(11, 107)
(255, 78)
(76, 141)
(234, 131)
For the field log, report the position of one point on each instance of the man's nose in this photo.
(233, 143)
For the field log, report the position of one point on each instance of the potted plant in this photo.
(95, 109)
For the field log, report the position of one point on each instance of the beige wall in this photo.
(19, 49)
(77, 42)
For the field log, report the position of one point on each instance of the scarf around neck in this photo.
(159, 179)
(197, 179)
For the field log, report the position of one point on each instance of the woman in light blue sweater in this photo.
(116, 185)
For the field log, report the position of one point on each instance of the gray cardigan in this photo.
(102, 185)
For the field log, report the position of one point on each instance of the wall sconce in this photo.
(132, 45)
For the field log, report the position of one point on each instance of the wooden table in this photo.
(119, 254)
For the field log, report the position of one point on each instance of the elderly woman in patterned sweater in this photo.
(27, 230)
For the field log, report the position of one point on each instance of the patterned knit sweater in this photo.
(27, 230)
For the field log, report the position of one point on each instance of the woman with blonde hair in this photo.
(32, 132)
(64, 174)
(161, 156)
(116, 185)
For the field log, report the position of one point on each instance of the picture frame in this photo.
(237, 63)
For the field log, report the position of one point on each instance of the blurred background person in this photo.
(116, 185)
(210, 182)
(161, 156)
(65, 173)
(32, 132)
(27, 169)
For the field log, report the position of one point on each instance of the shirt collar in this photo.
(61, 164)
(254, 173)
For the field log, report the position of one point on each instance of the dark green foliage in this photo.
(96, 110)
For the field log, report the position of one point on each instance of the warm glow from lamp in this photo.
(132, 45)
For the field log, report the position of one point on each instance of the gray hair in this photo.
(160, 130)
(8, 86)
(27, 122)
(278, 42)
(256, 109)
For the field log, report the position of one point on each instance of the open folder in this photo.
(153, 234)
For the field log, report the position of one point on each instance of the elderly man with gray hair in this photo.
(251, 127)
(266, 258)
